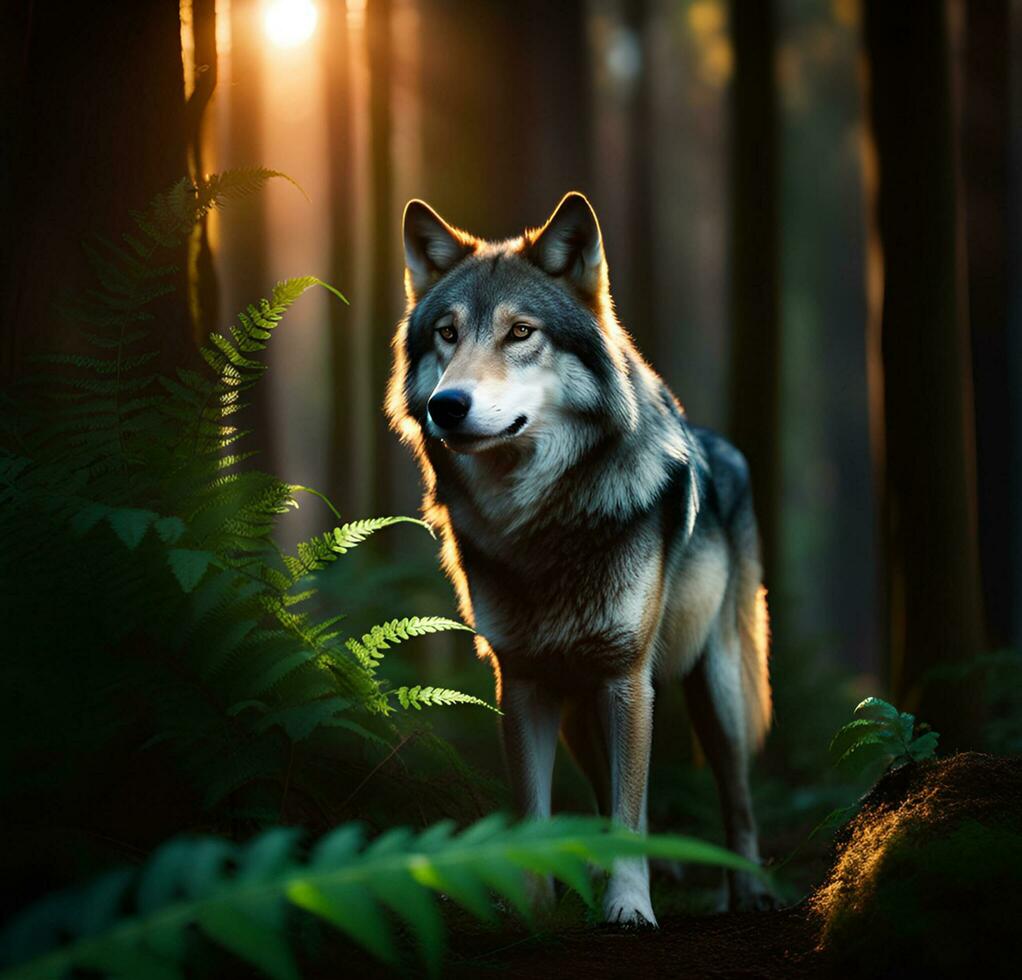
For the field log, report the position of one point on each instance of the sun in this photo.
(289, 23)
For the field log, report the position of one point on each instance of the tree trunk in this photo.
(754, 384)
(506, 115)
(383, 276)
(243, 229)
(203, 289)
(340, 133)
(98, 128)
(920, 390)
(985, 133)
(639, 300)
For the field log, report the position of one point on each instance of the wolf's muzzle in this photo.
(448, 409)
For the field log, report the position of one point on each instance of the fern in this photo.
(369, 649)
(881, 735)
(127, 493)
(419, 697)
(135, 923)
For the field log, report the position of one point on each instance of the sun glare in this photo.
(289, 23)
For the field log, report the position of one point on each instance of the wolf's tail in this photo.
(754, 634)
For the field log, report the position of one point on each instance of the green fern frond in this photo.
(320, 551)
(135, 923)
(369, 649)
(419, 697)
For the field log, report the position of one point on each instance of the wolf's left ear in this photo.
(570, 247)
(432, 247)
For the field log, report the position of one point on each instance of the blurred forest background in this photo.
(812, 211)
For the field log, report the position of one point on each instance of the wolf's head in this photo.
(508, 344)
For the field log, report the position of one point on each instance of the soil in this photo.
(741, 945)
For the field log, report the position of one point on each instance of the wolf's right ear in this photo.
(570, 246)
(432, 247)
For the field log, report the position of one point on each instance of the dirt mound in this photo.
(926, 879)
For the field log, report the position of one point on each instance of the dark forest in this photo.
(248, 723)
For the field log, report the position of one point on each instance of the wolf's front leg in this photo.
(627, 709)
(532, 718)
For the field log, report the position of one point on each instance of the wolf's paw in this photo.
(630, 908)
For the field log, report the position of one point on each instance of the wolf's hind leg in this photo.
(716, 704)
(583, 732)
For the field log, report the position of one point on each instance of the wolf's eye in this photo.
(448, 333)
(521, 331)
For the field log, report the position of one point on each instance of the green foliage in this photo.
(144, 573)
(880, 734)
(134, 924)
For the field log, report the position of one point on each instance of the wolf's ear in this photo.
(570, 247)
(432, 247)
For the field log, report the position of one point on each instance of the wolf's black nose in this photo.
(448, 408)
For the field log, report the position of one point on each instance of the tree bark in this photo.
(243, 230)
(639, 299)
(203, 291)
(340, 134)
(507, 125)
(985, 148)
(98, 127)
(383, 281)
(921, 394)
(755, 362)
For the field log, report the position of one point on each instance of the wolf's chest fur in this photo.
(584, 596)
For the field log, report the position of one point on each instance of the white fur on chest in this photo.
(614, 602)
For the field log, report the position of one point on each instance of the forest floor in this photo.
(923, 882)
(750, 945)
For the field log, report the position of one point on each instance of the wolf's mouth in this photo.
(515, 427)
(466, 442)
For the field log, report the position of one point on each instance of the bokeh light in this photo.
(290, 23)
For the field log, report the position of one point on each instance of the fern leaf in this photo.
(419, 697)
(228, 891)
(351, 535)
(369, 650)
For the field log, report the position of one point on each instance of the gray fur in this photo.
(598, 542)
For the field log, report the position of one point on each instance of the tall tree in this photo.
(920, 385)
(204, 294)
(383, 222)
(755, 363)
(243, 232)
(506, 115)
(639, 299)
(985, 148)
(340, 134)
(98, 126)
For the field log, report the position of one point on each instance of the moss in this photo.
(926, 878)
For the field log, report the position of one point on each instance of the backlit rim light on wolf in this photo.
(598, 542)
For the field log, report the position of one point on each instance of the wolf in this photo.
(598, 542)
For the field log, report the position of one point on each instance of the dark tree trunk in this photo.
(383, 281)
(507, 126)
(754, 384)
(986, 151)
(204, 293)
(97, 128)
(921, 392)
(551, 104)
(243, 228)
(343, 363)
